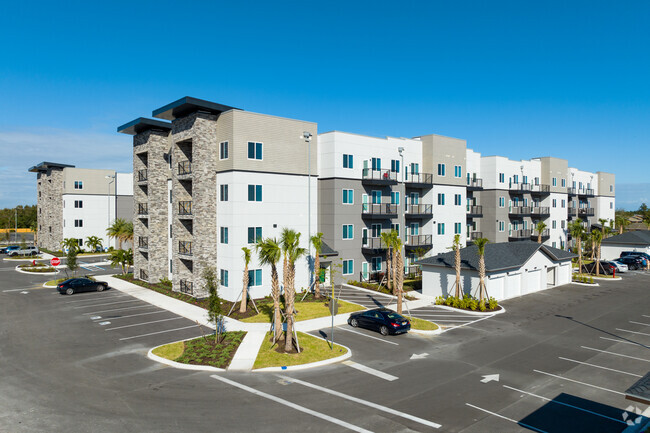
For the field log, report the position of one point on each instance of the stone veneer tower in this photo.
(50, 204)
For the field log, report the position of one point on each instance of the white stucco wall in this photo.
(611, 252)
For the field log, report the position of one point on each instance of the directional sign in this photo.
(55, 261)
(420, 356)
(490, 378)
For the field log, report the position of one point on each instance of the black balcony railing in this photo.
(184, 168)
(520, 234)
(475, 235)
(419, 209)
(185, 248)
(520, 187)
(421, 178)
(142, 175)
(545, 234)
(373, 244)
(413, 271)
(187, 287)
(379, 176)
(586, 191)
(143, 242)
(185, 207)
(474, 210)
(573, 211)
(475, 183)
(571, 191)
(380, 209)
(541, 210)
(418, 240)
(143, 209)
(587, 211)
(144, 275)
(540, 189)
(520, 210)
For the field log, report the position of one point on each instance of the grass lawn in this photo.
(422, 325)
(313, 349)
(305, 311)
(170, 351)
(203, 351)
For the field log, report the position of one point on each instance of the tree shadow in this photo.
(603, 331)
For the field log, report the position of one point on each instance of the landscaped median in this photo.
(37, 268)
(308, 309)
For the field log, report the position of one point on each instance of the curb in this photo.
(585, 284)
(7, 259)
(179, 365)
(423, 332)
(17, 269)
(322, 363)
(472, 313)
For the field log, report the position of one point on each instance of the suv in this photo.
(6, 250)
(28, 251)
(635, 253)
(632, 262)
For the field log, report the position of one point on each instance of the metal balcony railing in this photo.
(541, 189)
(185, 207)
(143, 242)
(418, 240)
(143, 209)
(475, 183)
(475, 235)
(144, 275)
(142, 175)
(185, 248)
(571, 191)
(422, 178)
(541, 210)
(419, 209)
(520, 234)
(545, 233)
(519, 187)
(187, 287)
(587, 211)
(474, 210)
(573, 211)
(586, 191)
(379, 209)
(373, 244)
(184, 168)
(379, 176)
(413, 270)
(519, 210)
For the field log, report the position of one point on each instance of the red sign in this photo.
(55, 261)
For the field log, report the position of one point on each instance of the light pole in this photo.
(16, 224)
(108, 200)
(307, 137)
(401, 155)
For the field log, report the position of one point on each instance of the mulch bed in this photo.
(487, 310)
(206, 351)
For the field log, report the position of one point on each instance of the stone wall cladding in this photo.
(50, 209)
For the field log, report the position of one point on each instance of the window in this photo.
(376, 164)
(394, 197)
(348, 231)
(441, 169)
(348, 196)
(563, 203)
(375, 230)
(611, 188)
(224, 278)
(78, 184)
(457, 199)
(414, 229)
(563, 181)
(224, 235)
(554, 202)
(554, 181)
(348, 267)
(394, 165)
(254, 150)
(50, 227)
(611, 205)
(441, 228)
(348, 162)
(254, 277)
(502, 178)
(395, 227)
(223, 150)
(254, 192)
(515, 179)
(78, 204)
(376, 197)
(78, 223)
(223, 193)
(375, 264)
(502, 226)
(415, 168)
(254, 234)
(537, 181)
(563, 224)
(502, 201)
(80, 242)
(441, 199)
(458, 171)
(457, 228)
(554, 244)
(554, 224)
(415, 197)
(525, 179)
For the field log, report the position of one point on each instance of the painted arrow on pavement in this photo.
(490, 377)
(420, 356)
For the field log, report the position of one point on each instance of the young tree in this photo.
(70, 244)
(480, 244)
(126, 234)
(122, 258)
(596, 239)
(621, 222)
(270, 253)
(293, 251)
(317, 243)
(116, 230)
(456, 247)
(94, 243)
(244, 293)
(540, 227)
(398, 271)
(387, 241)
(71, 261)
(215, 314)
(34, 228)
(577, 230)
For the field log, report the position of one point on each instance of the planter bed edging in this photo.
(35, 273)
(473, 313)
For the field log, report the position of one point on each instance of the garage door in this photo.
(533, 281)
(551, 274)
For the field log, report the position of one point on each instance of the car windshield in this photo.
(395, 316)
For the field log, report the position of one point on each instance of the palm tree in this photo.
(317, 243)
(244, 293)
(577, 230)
(70, 244)
(290, 242)
(603, 227)
(398, 271)
(126, 234)
(270, 253)
(621, 222)
(122, 258)
(115, 230)
(480, 244)
(93, 242)
(456, 248)
(387, 240)
(596, 238)
(540, 227)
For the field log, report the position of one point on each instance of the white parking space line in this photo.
(633, 332)
(369, 336)
(366, 369)
(106, 303)
(23, 288)
(144, 323)
(614, 353)
(363, 402)
(93, 299)
(159, 332)
(645, 315)
(506, 418)
(640, 323)
(136, 315)
(577, 381)
(600, 366)
(566, 404)
(120, 309)
(623, 341)
(291, 405)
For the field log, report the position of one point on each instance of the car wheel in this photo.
(69, 291)
(383, 330)
(354, 323)
(100, 287)
(633, 267)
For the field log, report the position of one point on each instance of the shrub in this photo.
(440, 300)
(481, 305)
(591, 279)
(166, 282)
(473, 304)
(493, 304)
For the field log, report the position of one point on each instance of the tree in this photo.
(577, 230)
(596, 239)
(116, 230)
(70, 244)
(317, 243)
(290, 242)
(603, 226)
(621, 222)
(480, 244)
(122, 258)
(387, 240)
(398, 272)
(244, 293)
(127, 232)
(539, 228)
(456, 247)
(215, 314)
(270, 253)
(94, 243)
(71, 261)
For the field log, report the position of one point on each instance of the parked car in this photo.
(605, 268)
(6, 250)
(635, 253)
(380, 319)
(28, 251)
(633, 262)
(620, 267)
(76, 285)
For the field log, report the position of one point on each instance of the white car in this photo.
(620, 267)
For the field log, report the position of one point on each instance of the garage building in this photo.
(638, 240)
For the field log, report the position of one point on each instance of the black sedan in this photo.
(76, 285)
(633, 262)
(605, 268)
(380, 319)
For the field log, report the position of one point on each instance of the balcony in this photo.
(185, 209)
(587, 212)
(143, 242)
(588, 192)
(545, 234)
(475, 235)
(520, 234)
(142, 175)
(144, 275)
(541, 210)
(184, 168)
(573, 212)
(520, 210)
(187, 287)
(378, 177)
(419, 210)
(185, 248)
(572, 191)
(540, 189)
(372, 244)
(519, 188)
(143, 210)
(419, 180)
(379, 210)
(413, 271)
(474, 184)
(414, 241)
(474, 211)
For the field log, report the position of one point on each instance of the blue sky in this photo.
(519, 79)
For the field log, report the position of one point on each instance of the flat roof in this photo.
(188, 105)
(142, 124)
(45, 165)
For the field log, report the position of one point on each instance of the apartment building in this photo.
(78, 203)
(211, 179)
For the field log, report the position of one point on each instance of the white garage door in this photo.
(533, 281)
(551, 275)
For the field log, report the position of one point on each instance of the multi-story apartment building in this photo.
(78, 203)
(211, 179)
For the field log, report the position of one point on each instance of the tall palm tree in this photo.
(480, 244)
(603, 226)
(398, 271)
(596, 239)
(93, 242)
(456, 247)
(70, 244)
(540, 227)
(387, 240)
(577, 230)
(115, 230)
(621, 222)
(290, 242)
(126, 234)
(270, 253)
(317, 243)
(244, 293)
